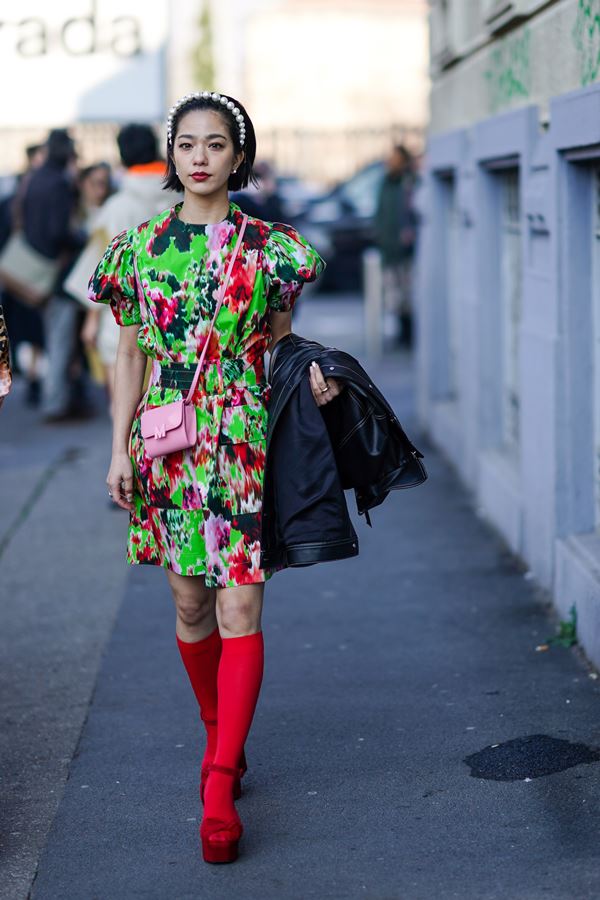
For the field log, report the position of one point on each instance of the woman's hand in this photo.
(120, 481)
(324, 389)
(127, 392)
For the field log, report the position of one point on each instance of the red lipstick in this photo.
(200, 176)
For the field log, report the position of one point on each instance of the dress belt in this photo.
(215, 377)
(178, 375)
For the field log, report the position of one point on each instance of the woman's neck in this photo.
(198, 210)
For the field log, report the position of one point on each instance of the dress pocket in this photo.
(241, 458)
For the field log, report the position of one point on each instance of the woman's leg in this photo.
(199, 644)
(195, 606)
(239, 681)
(60, 322)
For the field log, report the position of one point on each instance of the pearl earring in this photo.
(233, 171)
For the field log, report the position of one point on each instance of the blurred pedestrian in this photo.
(396, 231)
(263, 200)
(5, 371)
(24, 323)
(48, 210)
(140, 196)
(94, 186)
(196, 511)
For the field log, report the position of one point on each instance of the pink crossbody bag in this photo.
(172, 427)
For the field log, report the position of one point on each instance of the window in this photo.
(442, 46)
(454, 28)
(498, 13)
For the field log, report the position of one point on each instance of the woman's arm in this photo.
(323, 389)
(281, 324)
(128, 388)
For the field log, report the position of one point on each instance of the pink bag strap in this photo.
(222, 291)
(220, 299)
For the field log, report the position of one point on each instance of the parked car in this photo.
(295, 194)
(340, 225)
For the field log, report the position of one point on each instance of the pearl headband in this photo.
(216, 98)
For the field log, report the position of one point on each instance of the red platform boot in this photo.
(220, 837)
(239, 680)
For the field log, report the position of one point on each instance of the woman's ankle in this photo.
(218, 797)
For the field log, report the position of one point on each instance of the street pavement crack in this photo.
(70, 454)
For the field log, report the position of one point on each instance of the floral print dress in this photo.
(5, 373)
(198, 511)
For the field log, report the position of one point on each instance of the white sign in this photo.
(82, 60)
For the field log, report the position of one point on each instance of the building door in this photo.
(452, 283)
(596, 339)
(454, 290)
(510, 306)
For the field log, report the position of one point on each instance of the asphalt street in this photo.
(385, 676)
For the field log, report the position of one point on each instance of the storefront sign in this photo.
(81, 60)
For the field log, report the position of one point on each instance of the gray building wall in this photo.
(492, 55)
(508, 284)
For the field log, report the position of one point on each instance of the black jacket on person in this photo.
(47, 205)
(315, 453)
(47, 208)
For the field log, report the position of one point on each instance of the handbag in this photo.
(171, 427)
(25, 272)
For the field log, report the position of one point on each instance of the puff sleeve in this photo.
(289, 261)
(113, 281)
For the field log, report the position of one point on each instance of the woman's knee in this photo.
(239, 609)
(194, 602)
(192, 613)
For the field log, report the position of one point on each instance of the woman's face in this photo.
(203, 146)
(95, 187)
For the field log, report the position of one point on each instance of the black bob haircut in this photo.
(245, 172)
(138, 145)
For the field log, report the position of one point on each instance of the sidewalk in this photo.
(382, 675)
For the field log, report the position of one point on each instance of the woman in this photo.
(396, 232)
(5, 372)
(94, 184)
(25, 322)
(65, 394)
(140, 195)
(197, 512)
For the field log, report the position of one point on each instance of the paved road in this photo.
(383, 674)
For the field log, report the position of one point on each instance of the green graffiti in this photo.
(586, 36)
(509, 73)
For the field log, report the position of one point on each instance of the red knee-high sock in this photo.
(238, 684)
(201, 661)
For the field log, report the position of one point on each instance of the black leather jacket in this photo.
(315, 453)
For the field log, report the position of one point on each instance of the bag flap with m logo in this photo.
(158, 421)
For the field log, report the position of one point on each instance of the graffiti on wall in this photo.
(586, 36)
(508, 76)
